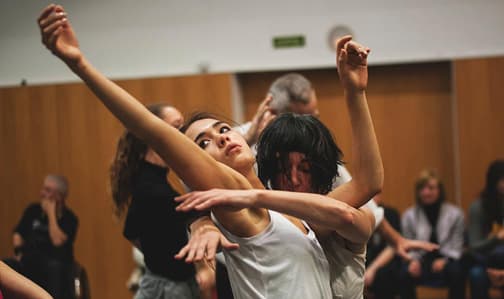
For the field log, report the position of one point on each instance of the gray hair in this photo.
(289, 88)
(62, 183)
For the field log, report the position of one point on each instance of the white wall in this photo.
(131, 38)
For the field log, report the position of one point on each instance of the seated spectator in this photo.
(43, 239)
(433, 219)
(382, 264)
(486, 234)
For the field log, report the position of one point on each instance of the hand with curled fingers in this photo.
(58, 35)
(229, 199)
(351, 60)
(205, 241)
(264, 115)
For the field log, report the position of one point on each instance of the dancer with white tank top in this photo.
(297, 153)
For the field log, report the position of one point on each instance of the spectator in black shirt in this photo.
(140, 186)
(43, 239)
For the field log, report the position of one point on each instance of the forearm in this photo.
(392, 236)
(382, 259)
(58, 237)
(352, 224)
(177, 150)
(366, 159)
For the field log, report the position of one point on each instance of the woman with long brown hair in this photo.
(138, 178)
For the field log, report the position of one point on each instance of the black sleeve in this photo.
(132, 223)
(69, 226)
(24, 225)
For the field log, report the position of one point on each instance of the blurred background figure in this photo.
(43, 239)
(141, 188)
(486, 233)
(435, 220)
(382, 264)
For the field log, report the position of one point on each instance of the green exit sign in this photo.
(293, 41)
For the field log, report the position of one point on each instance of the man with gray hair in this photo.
(294, 93)
(289, 93)
(43, 239)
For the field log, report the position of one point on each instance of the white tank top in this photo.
(281, 262)
(346, 267)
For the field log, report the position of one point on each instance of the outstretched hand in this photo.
(405, 245)
(351, 60)
(203, 200)
(57, 34)
(203, 244)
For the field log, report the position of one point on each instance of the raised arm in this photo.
(177, 150)
(193, 165)
(366, 159)
(355, 225)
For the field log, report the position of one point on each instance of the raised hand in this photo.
(203, 200)
(57, 34)
(351, 60)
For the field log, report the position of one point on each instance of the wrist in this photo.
(354, 93)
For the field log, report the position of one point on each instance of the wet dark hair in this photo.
(304, 134)
(130, 153)
(490, 197)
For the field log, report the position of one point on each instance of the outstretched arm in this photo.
(193, 165)
(368, 168)
(353, 224)
(199, 174)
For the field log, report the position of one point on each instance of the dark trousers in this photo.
(385, 282)
(222, 280)
(479, 282)
(453, 276)
(52, 275)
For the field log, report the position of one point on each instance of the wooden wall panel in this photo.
(479, 90)
(64, 129)
(411, 108)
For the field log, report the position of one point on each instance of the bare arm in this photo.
(353, 224)
(16, 286)
(382, 259)
(368, 175)
(56, 234)
(58, 237)
(193, 165)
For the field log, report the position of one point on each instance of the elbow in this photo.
(58, 242)
(346, 215)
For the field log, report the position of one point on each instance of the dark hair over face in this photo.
(304, 134)
(490, 195)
